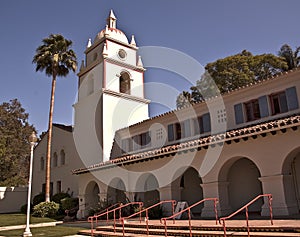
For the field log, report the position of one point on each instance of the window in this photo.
(202, 124)
(126, 145)
(142, 140)
(62, 157)
(278, 103)
(58, 187)
(186, 128)
(42, 163)
(174, 132)
(252, 110)
(125, 83)
(55, 159)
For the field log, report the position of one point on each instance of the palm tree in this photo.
(56, 58)
(290, 56)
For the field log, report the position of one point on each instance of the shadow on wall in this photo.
(12, 198)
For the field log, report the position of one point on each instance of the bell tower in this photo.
(110, 92)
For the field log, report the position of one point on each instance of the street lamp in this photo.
(32, 140)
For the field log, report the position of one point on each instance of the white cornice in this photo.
(125, 96)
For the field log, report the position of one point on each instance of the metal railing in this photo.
(146, 210)
(119, 209)
(245, 207)
(188, 209)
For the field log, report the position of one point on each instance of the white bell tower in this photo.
(110, 92)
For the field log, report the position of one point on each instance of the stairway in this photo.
(199, 228)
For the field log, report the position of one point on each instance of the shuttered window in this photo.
(238, 112)
(292, 98)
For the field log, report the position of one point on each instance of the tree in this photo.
(233, 72)
(56, 58)
(14, 145)
(290, 56)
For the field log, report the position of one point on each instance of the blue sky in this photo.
(203, 29)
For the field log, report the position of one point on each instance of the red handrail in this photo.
(106, 210)
(247, 215)
(173, 202)
(91, 218)
(164, 220)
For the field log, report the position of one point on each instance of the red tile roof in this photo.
(235, 135)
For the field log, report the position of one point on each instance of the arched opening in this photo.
(92, 195)
(189, 189)
(291, 170)
(116, 192)
(62, 157)
(125, 83)
(295, 167)
(147, 187)
(55, 159)
(243, 184)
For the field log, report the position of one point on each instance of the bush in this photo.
(59, 196)
(45, 209)
(23, 209)
(38, 199)
(69, 203)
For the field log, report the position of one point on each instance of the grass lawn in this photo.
(20, 219)
(54, 231)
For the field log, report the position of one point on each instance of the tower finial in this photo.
(89, 44)
(132, 41)
(112, 20)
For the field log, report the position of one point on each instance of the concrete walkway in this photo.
(16, 227)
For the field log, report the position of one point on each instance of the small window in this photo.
(125, 83)
(62, 157)
(58, 187)
(42, 163)
(278, 103)
(55, 159)
(252, 110)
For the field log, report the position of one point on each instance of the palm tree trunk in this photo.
(48, 159)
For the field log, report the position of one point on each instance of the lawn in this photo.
(20, 219)
(54, 231)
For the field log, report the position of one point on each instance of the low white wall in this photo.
(12, 198)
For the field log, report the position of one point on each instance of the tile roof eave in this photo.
(234, 135)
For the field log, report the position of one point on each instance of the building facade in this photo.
(232, 147)
(64, 158)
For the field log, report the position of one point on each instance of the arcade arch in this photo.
(243, 184)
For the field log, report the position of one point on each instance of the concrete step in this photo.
(133, 231)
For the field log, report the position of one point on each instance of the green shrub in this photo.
(45, 209)
(38, 199)
(59, 196)
(23, 208)
(69, 203)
